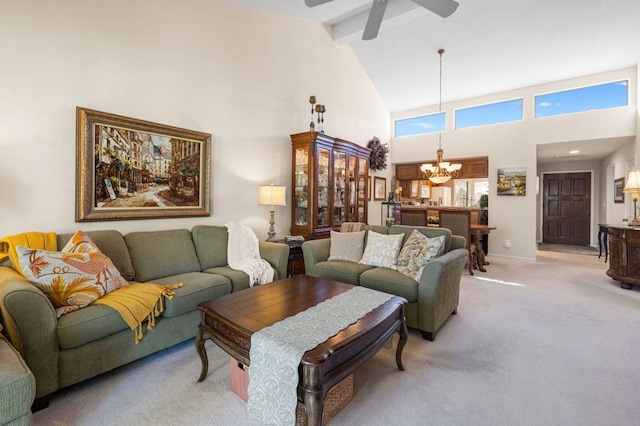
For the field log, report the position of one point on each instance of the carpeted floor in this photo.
(551, 342)
(570, 248)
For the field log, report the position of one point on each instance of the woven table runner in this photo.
(276, 351)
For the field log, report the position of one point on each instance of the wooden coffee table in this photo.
(231, 320)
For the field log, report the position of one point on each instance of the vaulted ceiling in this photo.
(490, 45)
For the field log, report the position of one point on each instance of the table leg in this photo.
(314, 406)
(600, 243)
(200, 340)
(404, 334)
(606, 245)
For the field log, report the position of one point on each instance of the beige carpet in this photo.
(552, 342)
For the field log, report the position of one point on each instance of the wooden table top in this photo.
(251, 310)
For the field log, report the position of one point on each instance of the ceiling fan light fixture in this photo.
(443, 8)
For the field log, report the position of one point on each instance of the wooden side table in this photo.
(295, 266)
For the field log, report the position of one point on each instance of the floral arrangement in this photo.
(378, 156)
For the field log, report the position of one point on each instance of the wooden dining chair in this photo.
(417, 217)
(459, 222)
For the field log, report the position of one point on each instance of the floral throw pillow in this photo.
(417, 252)
(382, 250)
(72, 278)
(346, 246)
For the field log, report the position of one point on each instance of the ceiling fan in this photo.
(443, 8)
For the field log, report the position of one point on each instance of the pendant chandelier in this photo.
(442, 171)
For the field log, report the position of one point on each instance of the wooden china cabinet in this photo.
(329, 178)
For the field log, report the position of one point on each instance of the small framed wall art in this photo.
(379, 188)
(512, 181)
(618, 186)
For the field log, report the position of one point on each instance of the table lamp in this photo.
(633, 187)
(272, 195)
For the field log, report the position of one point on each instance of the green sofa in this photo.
(431, 301)
(95, 339)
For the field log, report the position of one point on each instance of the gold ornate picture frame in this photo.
(133, 169)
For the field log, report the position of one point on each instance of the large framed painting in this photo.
(133, 169)
(512, 181)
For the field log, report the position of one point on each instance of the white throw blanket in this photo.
(243, 254)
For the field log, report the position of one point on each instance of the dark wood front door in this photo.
(566, 209)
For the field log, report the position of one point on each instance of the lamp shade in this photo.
(633, 181)
(272, 195)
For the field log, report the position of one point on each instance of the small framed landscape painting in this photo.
(133, 169)
(512, 181)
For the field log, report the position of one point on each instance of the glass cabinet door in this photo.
(353, 217)
(362, 189)
(302, 186)
(323, 187)
(339, 187)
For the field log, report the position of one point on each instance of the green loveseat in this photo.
(95, 339)
(431, 301)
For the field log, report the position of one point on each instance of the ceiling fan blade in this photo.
(375, 19)
(314, 3)
(443, 8)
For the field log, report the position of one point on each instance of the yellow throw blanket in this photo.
(139, 302)
(35, 240)
(134, 302)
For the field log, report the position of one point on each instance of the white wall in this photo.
(616, 166)
(241, 74)
(514, 144)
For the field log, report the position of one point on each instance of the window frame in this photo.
(455, 113)
(444, 129)
(604, 83)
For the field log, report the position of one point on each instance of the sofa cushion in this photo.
(198, 287)
(346, 272)
(159, 254)
(239, 280)
(211, 245)
(97, 321)
(347, 246)
(382, 250)
(111, 243)
(87, 325)
(417, 252)
(390, 281)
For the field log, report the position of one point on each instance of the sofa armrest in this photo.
(457, 242)
(277, 254)
(439, 287)
(29, 321)
(315, 251)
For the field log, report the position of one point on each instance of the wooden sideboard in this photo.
(624, 255)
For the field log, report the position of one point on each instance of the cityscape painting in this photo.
(133, 169)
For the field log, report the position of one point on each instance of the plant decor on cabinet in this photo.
(378, 156)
